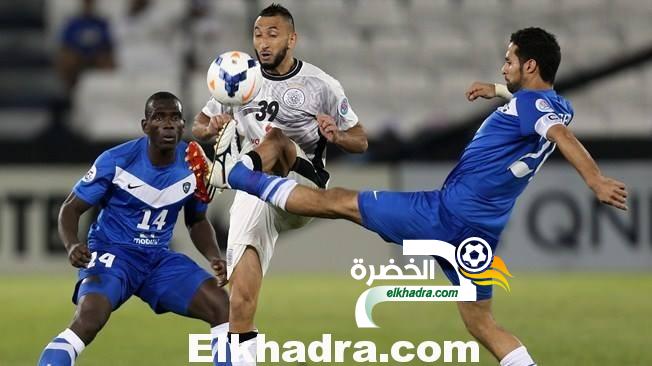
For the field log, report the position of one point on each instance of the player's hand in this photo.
(610, 192)
(79, 255)
(219, 267)
(328, 128)
(216, 123)
(480, 89)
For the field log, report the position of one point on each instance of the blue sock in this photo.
(63, 350)
(269, 188)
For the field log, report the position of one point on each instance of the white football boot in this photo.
(226, 155)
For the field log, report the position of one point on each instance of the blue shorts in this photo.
(164, 279)
(398, 216)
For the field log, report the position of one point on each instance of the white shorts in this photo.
(257, 224)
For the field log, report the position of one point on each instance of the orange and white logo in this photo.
(477, 263)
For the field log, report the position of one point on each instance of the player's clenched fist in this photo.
(79, 255)
(219, 267)
(216, 123)
(480, 89)
(611, 192)
(328, 127)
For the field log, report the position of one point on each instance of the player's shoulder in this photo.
(313, 72)
(126, 151)
(541, 100)
(529, 95)
(181, 151)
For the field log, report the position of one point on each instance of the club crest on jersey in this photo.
(90, 175)
(543, 106)
(186, 187)
(294, 97)
(344, 107)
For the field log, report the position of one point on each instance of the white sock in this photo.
(62, 350)
(280, 198)
(73, 339)
(518, 357)
(247, 356)
(220, 332)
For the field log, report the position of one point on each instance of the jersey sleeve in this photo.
(535, 115)
(337, 105)
(97, 181)
(195, 205)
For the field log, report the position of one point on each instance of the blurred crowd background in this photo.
(76, 72)
(75, 75)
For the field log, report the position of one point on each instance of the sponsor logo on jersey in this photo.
(131, 186)
(552, 117)
(144, 240)
(543, 106)
(294, 97)
(90, 175)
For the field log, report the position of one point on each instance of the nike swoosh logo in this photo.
(251, 91)
(132, 187)
(376, 195)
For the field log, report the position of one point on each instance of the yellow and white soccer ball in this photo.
(234, 78)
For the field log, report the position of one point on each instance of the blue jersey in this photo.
(139, 202)
(501, 159)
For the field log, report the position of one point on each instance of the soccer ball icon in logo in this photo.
(234, 78)
(474, 255)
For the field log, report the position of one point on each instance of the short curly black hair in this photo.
(537, 44)
(280, 10)
(161, 95)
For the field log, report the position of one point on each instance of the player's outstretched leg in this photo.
(285, 193)
(479, 321)
(277, 154)
(93, 311)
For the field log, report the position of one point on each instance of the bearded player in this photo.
(297, 111)
(479, 194)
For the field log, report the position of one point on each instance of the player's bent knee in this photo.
(276, 135)
(92, 313)
(243, 299)
(211, 303)
(245, 285)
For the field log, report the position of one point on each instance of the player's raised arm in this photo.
(205, 128)
(484, 90)
(68, 222)
(607, 190)
(337, 122)
(353, 140)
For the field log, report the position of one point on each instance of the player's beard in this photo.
(275, 62)
(514, 86)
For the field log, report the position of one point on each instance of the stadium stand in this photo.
(403, 63)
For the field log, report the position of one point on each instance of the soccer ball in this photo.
(474, 255)
(234, 78)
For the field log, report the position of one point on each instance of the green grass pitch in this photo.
(564, 319)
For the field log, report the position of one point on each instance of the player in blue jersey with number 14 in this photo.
(141, 187)
(478, 195)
